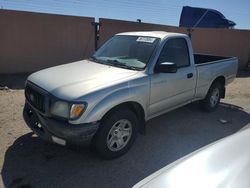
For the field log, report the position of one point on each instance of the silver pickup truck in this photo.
(132, 78)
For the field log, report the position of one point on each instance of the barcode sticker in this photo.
(145, 39)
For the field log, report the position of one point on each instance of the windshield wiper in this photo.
(93, 58)
(120, 64)
(114, 62)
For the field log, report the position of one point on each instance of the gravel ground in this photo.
(27, 161)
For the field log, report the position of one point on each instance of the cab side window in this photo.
(175, 51)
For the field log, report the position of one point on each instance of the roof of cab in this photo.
(157, 34)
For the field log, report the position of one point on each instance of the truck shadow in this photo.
(13, 81)
(243, 73)
(30, 162)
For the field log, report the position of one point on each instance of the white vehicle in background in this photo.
(223, 164)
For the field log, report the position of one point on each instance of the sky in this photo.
(166, 12)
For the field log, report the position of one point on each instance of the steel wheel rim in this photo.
(119, 135)
(214, 97)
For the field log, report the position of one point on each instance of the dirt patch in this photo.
(11, 122)
(240, 88)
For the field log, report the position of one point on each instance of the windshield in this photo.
(131, 52)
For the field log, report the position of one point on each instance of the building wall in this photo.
(225, 42)
(33, 41)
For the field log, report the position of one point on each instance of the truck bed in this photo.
(209, 67)
(204, 58)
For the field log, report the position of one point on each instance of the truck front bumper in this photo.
(58, 131)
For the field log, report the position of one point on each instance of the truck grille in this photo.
(35, 98)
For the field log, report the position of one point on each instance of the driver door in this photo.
(169, 90)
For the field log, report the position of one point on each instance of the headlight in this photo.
(65, 110)
(60, 108)
(77, 110)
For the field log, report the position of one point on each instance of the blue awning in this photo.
(194, 17)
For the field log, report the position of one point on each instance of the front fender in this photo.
(103, 101)
(107, 103)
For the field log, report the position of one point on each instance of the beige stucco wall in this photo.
(32, 41)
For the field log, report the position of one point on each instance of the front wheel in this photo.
(117, 133)
(212, 100)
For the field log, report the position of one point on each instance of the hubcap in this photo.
(214, 97)
(119, 135)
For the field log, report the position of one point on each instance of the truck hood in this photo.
(70, 81)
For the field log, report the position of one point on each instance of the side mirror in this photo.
(166, 67)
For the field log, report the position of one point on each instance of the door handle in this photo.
(190, 75)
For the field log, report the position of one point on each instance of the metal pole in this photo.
(96, 25)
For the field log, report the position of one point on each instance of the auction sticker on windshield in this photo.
(145, 39)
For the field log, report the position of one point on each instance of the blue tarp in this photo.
(203, 18)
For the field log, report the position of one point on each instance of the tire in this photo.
(212, 100)
(117, 133)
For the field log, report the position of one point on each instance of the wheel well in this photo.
(134, 107)
(222, 81)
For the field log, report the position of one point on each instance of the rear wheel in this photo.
(117, 133)
(212, 100)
